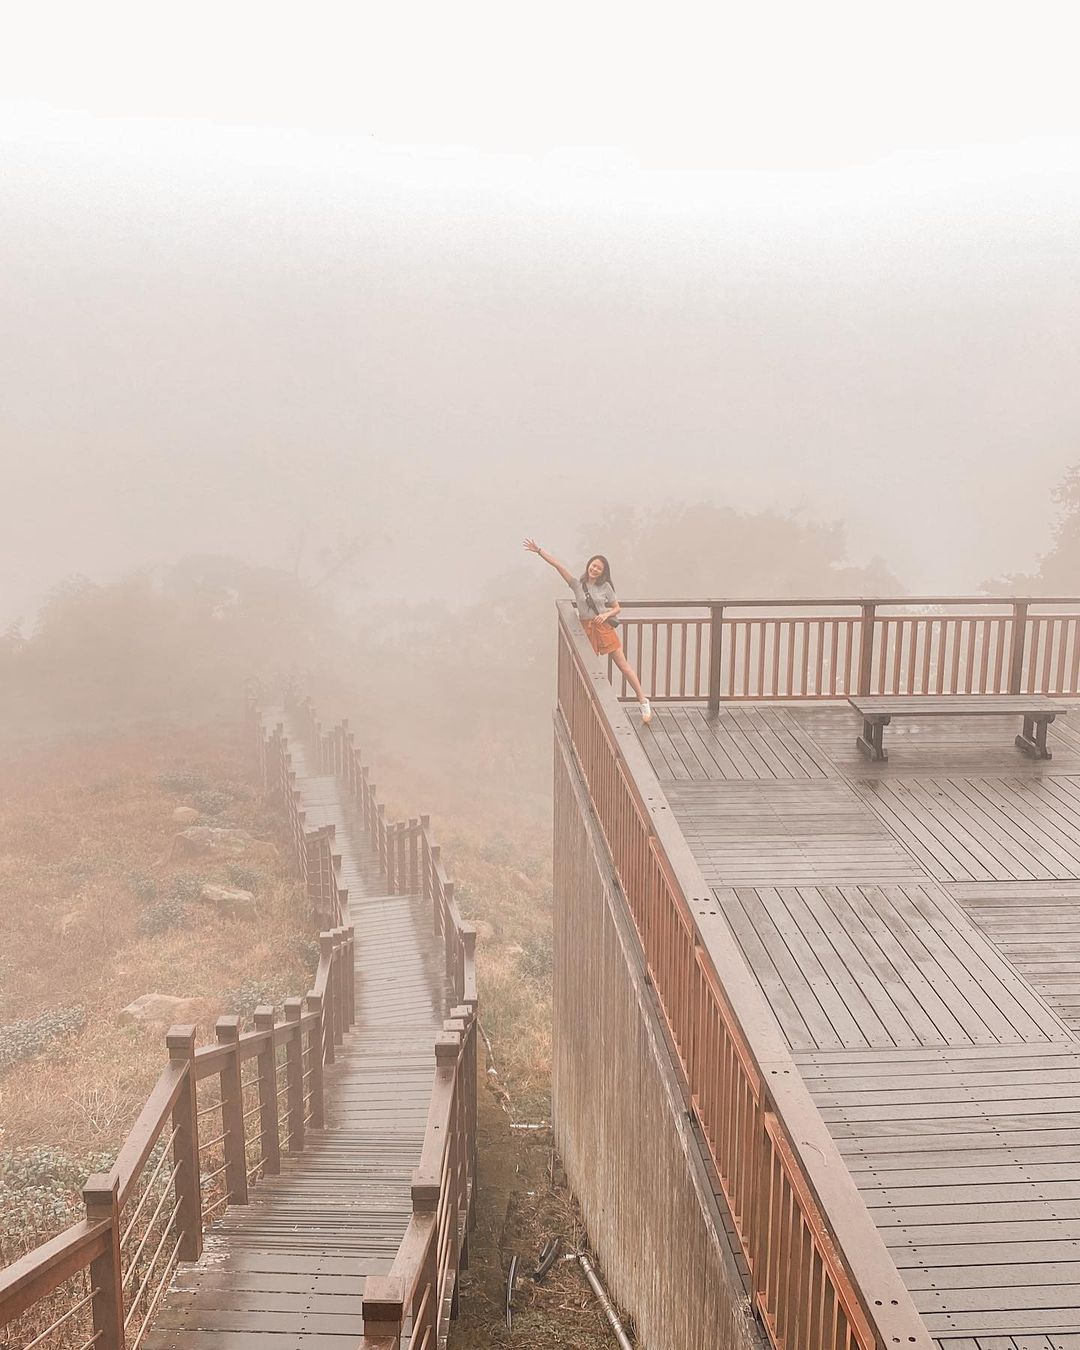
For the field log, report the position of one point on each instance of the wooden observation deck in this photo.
(901, 938)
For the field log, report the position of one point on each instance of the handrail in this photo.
(37, 1274)
(820, 1272)
(726, 650)
(406, 849)
(855, 601)
(422, 1282)
(193, 1151)
(145, 1215)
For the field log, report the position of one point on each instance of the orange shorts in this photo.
(605, 639)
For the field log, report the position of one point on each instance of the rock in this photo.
(186, 815)
(203, 839)
(162, 1008)
(229, 901)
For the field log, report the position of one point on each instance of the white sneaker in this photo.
(646, 711)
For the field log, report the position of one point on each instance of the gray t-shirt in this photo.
(603, 597)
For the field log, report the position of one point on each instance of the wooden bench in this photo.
(878, 710)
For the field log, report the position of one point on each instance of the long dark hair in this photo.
(605, 575)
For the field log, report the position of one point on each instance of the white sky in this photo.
(765, 140)
(749, 85)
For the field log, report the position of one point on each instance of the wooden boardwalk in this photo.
(915, 927)
(288, 1269)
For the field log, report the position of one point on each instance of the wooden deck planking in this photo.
(773, 832)
(872, 965)
(686, 744)
(291, 1264)
(985, 828)
(1036, 927)
(985, 1229)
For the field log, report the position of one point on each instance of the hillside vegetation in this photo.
(97, 908)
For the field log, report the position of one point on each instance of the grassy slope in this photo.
(87, 878)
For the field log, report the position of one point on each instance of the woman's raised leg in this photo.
(628, 670)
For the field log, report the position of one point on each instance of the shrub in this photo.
(184, 887)
(181, 780)
(538, 957)
(247, 878)
(161, 914)
(246, 997)
(39, 1190)
(30, 1035)
(498, 849)
(212, 802)
(307, 949)
(143, 885)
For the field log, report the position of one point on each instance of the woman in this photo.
(596, 604)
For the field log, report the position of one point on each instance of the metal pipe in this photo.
(606, 1303)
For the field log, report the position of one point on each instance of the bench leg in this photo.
(1033, 739)
(869, 742)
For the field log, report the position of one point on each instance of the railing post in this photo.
(391, 858)
(269, 1137)
(329, 1003)
(716, 644)
(467, 1014)
(383, 1311)
(447, 1054)
(180, 1041)
(316, 1042)
(458, 1170)
(294, 1076)
(106, 1273)
(467, 994)
(1017, 646)
(425, 857)
(414, 825)
(425, 1200)
(350, 974)
(436, 887)
(449, 934)
(867, 631)
(338, 969)
(227, 1030)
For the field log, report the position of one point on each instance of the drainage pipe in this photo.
(605, 1302)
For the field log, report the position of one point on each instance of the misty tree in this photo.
(1059, 568)
(178, 641)
(699, 550)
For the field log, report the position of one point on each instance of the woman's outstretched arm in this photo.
(564, 572)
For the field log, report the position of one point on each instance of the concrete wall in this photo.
(620, 1120)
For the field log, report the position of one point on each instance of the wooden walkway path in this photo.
(915, 927)
(287, 1270)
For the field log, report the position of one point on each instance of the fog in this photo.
(397, 305)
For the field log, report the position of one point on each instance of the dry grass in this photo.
(95, 911)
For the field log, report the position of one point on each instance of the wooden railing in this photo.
(218, 1119)
(419, 1295)
(686, 650)
(821, 1276)
(407, 853)
(221, 1116)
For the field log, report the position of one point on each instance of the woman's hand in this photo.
(532, 545)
